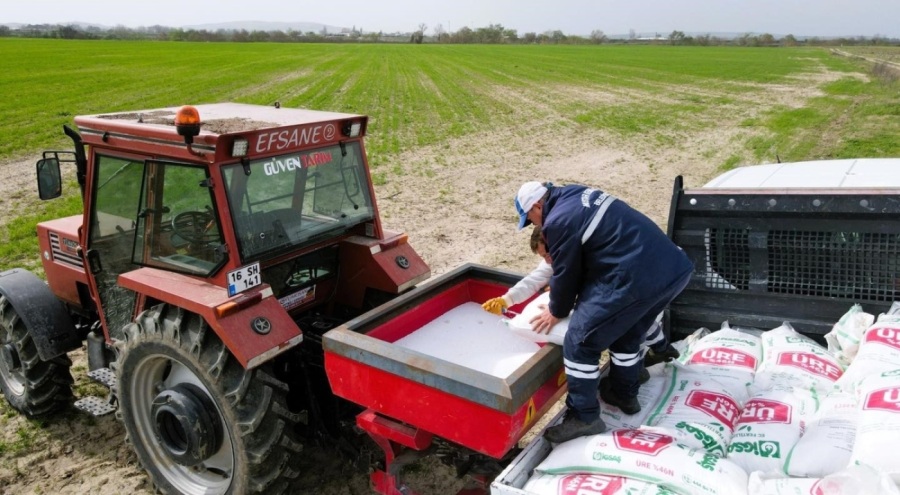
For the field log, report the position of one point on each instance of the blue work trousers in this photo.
(624, 334)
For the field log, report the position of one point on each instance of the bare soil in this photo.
(454, 200)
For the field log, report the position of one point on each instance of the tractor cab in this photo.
(239, 195)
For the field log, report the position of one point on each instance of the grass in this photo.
(18, 238)
(415, 95)
(27, 434)
(854, 118)
(428, 95)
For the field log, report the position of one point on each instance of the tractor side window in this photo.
(178, 228)
(118, 184)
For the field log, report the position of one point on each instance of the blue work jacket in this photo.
(606, 255)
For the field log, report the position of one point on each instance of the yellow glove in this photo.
(495, 305)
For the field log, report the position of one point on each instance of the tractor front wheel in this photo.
(31, 386)
(198, 421)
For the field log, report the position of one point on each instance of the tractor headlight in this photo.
(239, 147)
(351, 129)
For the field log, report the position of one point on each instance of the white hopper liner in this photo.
(469, 336)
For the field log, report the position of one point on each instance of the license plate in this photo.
(243, 278)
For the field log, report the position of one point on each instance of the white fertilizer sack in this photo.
(650, 457)
(892, 315)
(648, 396)
(697, 410)
(728, 356)
(826, 446)
(590, 484)
(793, 360)
(521, 323)
(854, 480)
(843, 339)
(879, 351)
(684, 345)
(878, 433)
(769, 427)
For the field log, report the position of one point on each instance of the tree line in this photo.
(491, 34)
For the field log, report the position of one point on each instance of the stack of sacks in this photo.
(728, 356)
(791, 359)
(843, 339)
(695, 409)
(879, 351)
(833, 431)
(854, 480)
(769, 427)
(590, 484)
(826, 446)
(648, 457)
(878, 430)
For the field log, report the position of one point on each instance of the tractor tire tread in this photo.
(47, 385)
(262, 429)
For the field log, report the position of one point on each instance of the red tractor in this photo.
(210, 258)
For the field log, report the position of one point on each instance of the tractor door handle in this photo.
(93, 259)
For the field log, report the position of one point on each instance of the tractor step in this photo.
(98, 406)
(95, 406)
(104, 376)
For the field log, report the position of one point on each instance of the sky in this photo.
(572, 17)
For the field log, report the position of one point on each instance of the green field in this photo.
(415, 94)
(418, 95)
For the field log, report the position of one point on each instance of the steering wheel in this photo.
(195, 226)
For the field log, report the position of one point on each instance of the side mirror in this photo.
(49, 178)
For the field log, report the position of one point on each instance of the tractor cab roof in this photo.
(220, 118)
(220, 124)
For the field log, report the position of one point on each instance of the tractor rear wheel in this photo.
(198, 421)
(31, 386)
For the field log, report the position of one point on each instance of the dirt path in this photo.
(455, 202)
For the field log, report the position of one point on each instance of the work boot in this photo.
(643, 376)
(667, 355)
(628, 405)
(571, 427)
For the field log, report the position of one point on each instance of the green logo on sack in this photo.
(708, 462)
(709, 442)
(761, 448)
(600, 456)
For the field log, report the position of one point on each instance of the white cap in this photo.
(529, 194)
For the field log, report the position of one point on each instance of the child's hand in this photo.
(495, 305)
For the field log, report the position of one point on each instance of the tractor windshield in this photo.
(297, 199)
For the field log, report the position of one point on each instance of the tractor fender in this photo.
(49, 323)
(258, 329)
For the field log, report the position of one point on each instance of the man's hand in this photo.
(543, 322)
(495, 305)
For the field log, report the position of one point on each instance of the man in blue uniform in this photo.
(656, 345)
(618, 271)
